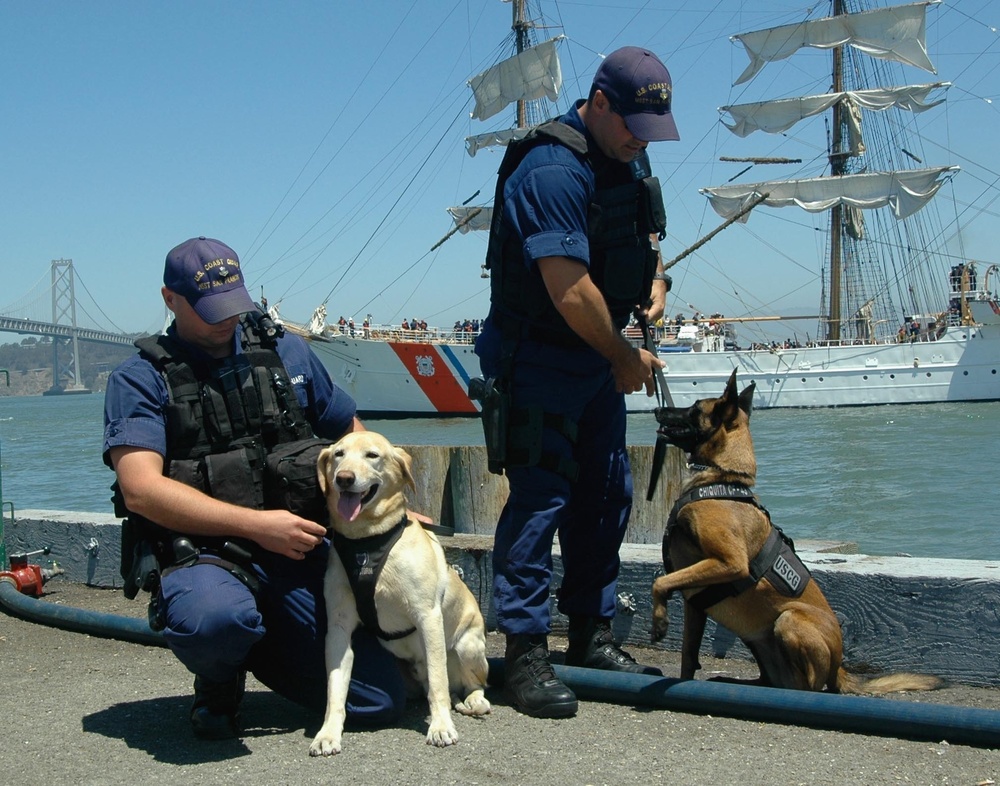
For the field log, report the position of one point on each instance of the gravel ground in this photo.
(86, 710)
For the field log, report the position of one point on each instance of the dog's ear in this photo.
(725, 410)
(731, 386)
(322, 465)
(746, 398)
(405, 464)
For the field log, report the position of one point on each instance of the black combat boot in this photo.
(530, 684)
(215, 714)
(592, 646)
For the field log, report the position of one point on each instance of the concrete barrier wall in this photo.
(87, 546)
(897, 613)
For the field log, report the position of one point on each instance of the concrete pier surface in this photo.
(88, 710)
(92, 710)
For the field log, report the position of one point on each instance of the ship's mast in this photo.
(837, 167)
(520, 28)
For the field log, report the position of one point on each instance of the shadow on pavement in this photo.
(160, 726)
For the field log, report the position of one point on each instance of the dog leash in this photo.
(663, 399)
(430, 526)
(437, 529)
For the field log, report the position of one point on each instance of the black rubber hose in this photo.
(868, 715)
(111, 626)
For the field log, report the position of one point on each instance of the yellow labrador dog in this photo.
(390, 574)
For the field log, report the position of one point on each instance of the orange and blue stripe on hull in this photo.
(435, 377)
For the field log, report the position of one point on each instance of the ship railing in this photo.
(903, 337)
(848, 342)
(429, 335)
(669, 333)
(971, 294)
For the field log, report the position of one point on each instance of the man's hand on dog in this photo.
(287, 534)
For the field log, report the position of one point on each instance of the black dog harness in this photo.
(777, 561)
(363, 559)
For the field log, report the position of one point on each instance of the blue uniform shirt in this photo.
(546, 199)
(546, 202)
(137, 395)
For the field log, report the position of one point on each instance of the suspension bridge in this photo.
(64, 329)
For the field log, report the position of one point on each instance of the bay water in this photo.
(921, 480)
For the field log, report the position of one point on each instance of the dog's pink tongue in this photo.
(349, 506)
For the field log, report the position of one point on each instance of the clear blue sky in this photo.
(323, 142)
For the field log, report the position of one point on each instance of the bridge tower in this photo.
(65, 351)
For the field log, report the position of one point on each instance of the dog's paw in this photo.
(475, 704)
(658, 631)
(442, 733)
(325, 745)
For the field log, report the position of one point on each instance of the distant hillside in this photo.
(29, 364)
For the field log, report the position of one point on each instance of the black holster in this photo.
(514, 437)
(230, 556)
(140, 569)
(496, 412)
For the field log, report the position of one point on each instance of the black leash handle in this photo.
(663, 397)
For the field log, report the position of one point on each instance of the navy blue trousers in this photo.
(216, 627)
(589, 515)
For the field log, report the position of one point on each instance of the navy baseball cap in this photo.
(207, 273)
(639, 88)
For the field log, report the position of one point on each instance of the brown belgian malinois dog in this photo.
(722, 552)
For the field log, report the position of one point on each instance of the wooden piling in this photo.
(456, 489)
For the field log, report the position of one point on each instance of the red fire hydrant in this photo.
(28, 578)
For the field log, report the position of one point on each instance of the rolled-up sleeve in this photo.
(557, 244)
(547, 200)
(134, 409)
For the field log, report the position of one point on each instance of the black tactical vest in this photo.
(625, 210)
(223, 418)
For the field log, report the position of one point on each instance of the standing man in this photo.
(189, 423)
(573, 251)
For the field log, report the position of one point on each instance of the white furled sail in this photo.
(468, 220)
(905, 192)
(774, 117)
(473, 144)
(531, 74)
(897, 34)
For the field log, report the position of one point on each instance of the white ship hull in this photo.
(414, 378)
(961, 365)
